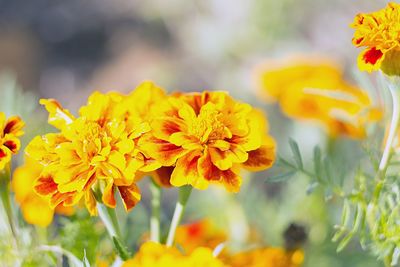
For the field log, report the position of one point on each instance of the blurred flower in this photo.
(199, 234)
(317, 92)
(208, 137)
(379, 32)
(35, 210)
(267, 257)
(95, 154)
(154, 254)
(10, 130)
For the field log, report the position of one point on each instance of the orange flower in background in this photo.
(208, 137)
(316, 91)
(199, 234)
(267, 257)
(35, 210)
(95, 154)
(10, 130)
(153, 254)
(379, 33)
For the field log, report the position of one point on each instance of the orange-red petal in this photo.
(130, 196)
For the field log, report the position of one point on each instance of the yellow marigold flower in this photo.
(208, 137)
(10, 130)
(379, 32)
(35, 210)
(267, 257)
(199, 234)
(316, 91)
(153, 254)
(95, 154)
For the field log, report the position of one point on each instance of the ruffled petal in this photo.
(185, 171)
(58, 116)
(263, 157)
(109, 195)
(163, 151)
(130, 196)
(14, 126)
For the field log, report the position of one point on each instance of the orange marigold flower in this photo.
(10, 130)
(316, 91)
(199, 234)
(208, 137)
(267, 257)
(95, 154)
(35, 210)
(153, 254)
(379, 32)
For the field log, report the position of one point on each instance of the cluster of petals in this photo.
(315, 90)
(97, 153)
(379, 33)
(179, 139)
(208, 138)
(154, 254)
(267, 257)
(10, 130)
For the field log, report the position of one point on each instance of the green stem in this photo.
(394, 124)
(109, 218)
(155, 190)
(184, 194)
(5, 197)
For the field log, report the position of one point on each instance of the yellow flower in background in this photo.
(379, 33)
(35, 210)
(316, 91)
(267, 257)
(208, 137)
(10, 130)
(153, 254)
(96, 154)
(199, 234)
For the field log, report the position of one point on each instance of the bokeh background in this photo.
(68, 49)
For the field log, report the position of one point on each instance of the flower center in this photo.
(207, 126)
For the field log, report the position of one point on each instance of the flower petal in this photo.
(185, 171)
(263, 157)
(108, 195)
(14, 126)
(58, 116)
(130, 196)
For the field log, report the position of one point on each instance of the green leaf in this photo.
(121, 250)
(281, 177)
(296, 153)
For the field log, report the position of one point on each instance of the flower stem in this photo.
(184, 193)
(395, 94)
(5, 197)
(155, 212)
(394, 124)
(109, 218)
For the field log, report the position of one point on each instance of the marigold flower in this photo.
(379, 32)
(267, 257)
(35, 209)
(208, 137)
(316, 91)
(95, 154)
(199, 234)
(10, 130)
(153, 254)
